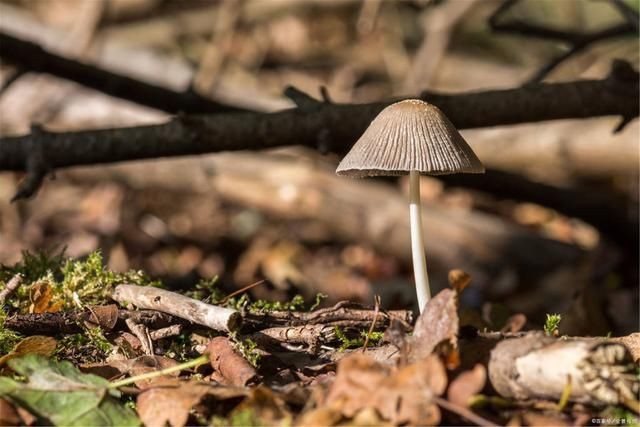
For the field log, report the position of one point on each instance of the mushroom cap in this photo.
(410, 135)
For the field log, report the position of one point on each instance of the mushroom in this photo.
(411, 137)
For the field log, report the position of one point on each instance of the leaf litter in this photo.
(415, 375)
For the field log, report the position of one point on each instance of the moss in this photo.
(90, 346)
(206, 290)
(8, 338)
(358, 341)
(85, 280)
(551, 324)
(296, 303)
(247, 348)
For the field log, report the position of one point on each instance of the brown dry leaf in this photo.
(40, 295)
(104, 316)
(169, 401)
(459, 280)
(399, 395)
(267, 407)
(466, 385)
(228, 363)
(323, 416)
(439, 322)
(36, 344)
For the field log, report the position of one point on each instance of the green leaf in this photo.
(62, 395)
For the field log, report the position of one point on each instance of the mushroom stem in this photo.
(417, 241)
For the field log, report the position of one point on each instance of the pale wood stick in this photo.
(212, 316)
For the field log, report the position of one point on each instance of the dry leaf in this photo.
(439, 322)
(170, 401)
(466, 385)
(230, 364)
(323, 416)
(36, 344)
(399, 395)
(267, 407)
(459, 280)
(40, 295)
(104, 316)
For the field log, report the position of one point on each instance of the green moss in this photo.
(551, 324)
(8, 338)
(247, 348)
(93, 283)
(358, 341)
(33, 266)
(89, 346)
(85, 280)
(206, 290)
(296, 303)
(180, 347)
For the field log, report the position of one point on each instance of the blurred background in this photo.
(283, 215)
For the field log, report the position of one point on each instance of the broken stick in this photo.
(211, 316)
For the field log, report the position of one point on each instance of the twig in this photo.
(10, 288)
(577, 41)
(214, 317)
(142, 333)
(343, 313)
(376, 310)
(169, 331)
(313, 336)
(224, 300)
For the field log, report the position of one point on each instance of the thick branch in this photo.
(187, 135)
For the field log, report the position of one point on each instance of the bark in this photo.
(598, 371)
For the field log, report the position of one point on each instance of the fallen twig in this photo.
(142, 333)
(167, 332)
(12, 285)
(214, 317)
(343, 313)
(313, 336)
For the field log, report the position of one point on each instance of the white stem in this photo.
(417, 241)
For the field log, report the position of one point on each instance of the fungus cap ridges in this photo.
(410, 135)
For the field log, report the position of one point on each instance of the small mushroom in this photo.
(411, 137)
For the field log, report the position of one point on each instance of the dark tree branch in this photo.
(577, 41)
(198, 134)
(31, 56)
